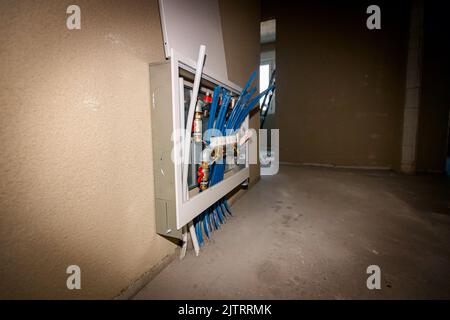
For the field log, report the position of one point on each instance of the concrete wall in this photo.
(340, 86)
(435, 103)
(413, 86)
(76, 162)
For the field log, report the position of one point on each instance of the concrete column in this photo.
(413, 89)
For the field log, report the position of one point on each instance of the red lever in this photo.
(201, 174)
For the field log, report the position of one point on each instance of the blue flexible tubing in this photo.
(242, 114)
(208, 217)
(216, 214)
(237, 108)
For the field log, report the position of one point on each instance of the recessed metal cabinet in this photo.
(163, 168)
(177, 202)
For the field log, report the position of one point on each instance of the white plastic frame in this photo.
(188, 209)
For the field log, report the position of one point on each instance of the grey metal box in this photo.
(163, 167)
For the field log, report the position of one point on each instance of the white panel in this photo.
(187, 24)
(202, 201)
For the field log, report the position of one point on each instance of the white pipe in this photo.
(194, 238)
(190, 119)
(182, 120)
(206, 155)
(185, 242)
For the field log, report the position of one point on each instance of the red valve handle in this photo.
(201, 174)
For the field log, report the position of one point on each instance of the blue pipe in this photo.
(241, 102)
(215, 215)
(212, 112)
(211, 216)
(249, 108)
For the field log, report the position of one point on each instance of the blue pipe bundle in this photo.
(214, 216)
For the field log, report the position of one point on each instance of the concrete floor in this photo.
(310, 233)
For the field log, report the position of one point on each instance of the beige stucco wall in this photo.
(76, 157)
